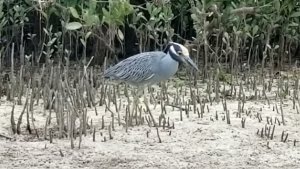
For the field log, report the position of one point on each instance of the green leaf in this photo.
(194, 17)
(148, 7)
(277, 6)
(120, 34)
(293, 24)
(249, 35)
(233, 4)
(92, 20)
(106, 15)
(51, 42)
(224, 40)
(226, 35)
(254, 30)
(73, 26)
(295, 14)
(46, 31)
(151, 37)
(87, 35)
(44, 14)
(92, 6)
(74, 12)
(277, 19)
(234, 29)
(71, 2)
(83, 42)
(149, 27)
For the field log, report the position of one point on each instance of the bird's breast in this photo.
(167, 67)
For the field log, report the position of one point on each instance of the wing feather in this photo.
(135, 69)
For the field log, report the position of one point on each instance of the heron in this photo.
(149, 68)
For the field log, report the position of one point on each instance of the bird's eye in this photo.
(179, 53)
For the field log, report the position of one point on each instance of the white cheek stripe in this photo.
(173, 50)
(185, 52)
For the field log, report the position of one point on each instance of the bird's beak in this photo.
(191, 62)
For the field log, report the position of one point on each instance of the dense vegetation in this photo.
(220, 31)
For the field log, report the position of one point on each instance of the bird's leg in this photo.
(140, 92)
(135, 101)
(133, 108)
(144, 95)
(137, 94)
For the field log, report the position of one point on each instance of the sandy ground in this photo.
(194, 143)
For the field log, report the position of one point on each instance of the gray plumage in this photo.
(149, 67)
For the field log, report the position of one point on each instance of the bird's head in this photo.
(180, 53)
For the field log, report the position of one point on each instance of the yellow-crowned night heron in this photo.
(149, 68)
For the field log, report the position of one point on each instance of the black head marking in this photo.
(174, 53)
(177, 48)
(179, 53)
(166, 50)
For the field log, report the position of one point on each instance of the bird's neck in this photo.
(169, 61)
(168, 66)
(174, 56)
